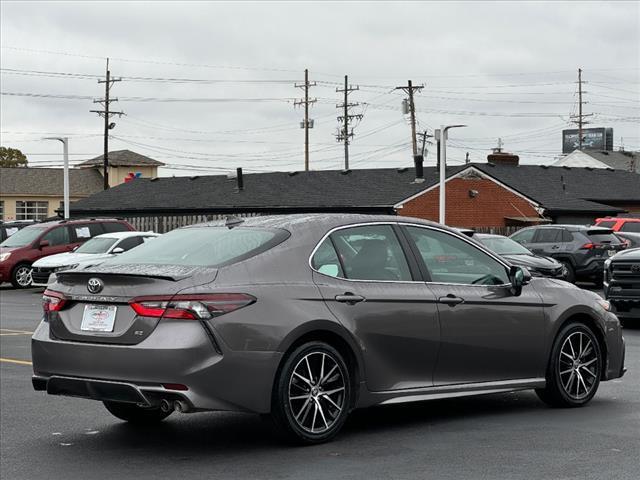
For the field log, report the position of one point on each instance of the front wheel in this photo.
(21, 276)
(312, 394)
(570, 272)
(133, 413)
(575, 367)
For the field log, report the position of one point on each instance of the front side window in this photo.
(22, 238)
(111, 227)
(57, 236)
(97, 245)
(523, 236)
(371, 252)
(204, 246)
(548, 235)
(129, 243)
(32, 210)
(450, 259)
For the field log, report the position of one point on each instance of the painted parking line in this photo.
(13, 360)
(10, 332)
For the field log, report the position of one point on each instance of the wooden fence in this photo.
(166, 223)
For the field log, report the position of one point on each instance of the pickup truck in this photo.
(622, 284)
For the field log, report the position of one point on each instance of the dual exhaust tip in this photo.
(179, 406)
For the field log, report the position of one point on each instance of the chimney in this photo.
(498, 157)
(239, 179)
(418, 161)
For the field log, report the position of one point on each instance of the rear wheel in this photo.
(570, 272)
(312, 394)
(573, 373)
(133, 413)
(21, 276)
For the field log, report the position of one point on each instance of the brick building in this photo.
(478, 195)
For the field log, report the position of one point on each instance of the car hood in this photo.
(631, 254)
(69, 258)
(532, 261)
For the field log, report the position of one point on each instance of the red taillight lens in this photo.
(190, 307)
(588, 246)
(53, 301)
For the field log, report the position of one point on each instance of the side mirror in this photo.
(43, 243)
(519, 277)
(117, 250)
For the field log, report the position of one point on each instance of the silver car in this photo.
(308, 317)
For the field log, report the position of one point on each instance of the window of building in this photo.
(32, 210)
(1, 209)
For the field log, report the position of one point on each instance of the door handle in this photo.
(555, 247)
(349, 298)
(451, 300)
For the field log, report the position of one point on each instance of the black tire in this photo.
(21, 276)
(564, 387)
(132, 413)
(292, 416)
(571, 272)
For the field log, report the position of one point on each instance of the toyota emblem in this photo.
(95, 285)
(635, 268)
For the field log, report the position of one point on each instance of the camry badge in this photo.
(635, 268)
(95, 285)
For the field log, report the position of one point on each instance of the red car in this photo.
(24, 247)
(620, 224)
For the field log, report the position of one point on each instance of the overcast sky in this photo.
(217, 86)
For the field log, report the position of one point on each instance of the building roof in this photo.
(557, 189)
(22, 181)
(123, 158)
(627, 161)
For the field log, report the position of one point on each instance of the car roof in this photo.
(120, 235)
(53, 223)
(489, 235)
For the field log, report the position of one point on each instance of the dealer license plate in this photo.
(98, 318)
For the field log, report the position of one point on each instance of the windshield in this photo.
(23, 237)
(97, 245)
(203, 246)
(503, 246)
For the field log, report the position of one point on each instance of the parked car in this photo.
(632, 240)
(518, 255)
(620, 224)
(92, 252)
(9, 228)
(20, 250)
(306, 317)
(581, 249)
(622, 284)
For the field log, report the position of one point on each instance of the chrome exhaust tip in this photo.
(180, 406)
(166, 406)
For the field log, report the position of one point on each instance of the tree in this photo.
(12, 157)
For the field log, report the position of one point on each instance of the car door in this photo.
(547, 242)
(58, 241)
(487, 333)
(374, 290)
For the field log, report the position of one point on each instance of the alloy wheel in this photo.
(316, 392)
(23, 276)
(578, 365)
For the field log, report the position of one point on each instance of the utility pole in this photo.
(107, 114)
(580, 118)
(307, 123)
(409, 89)
(344, 134)
(424, 135)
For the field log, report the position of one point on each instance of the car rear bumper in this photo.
(182, 353)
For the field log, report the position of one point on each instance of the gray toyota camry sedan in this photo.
(307, 317)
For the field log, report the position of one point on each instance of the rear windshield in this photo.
(630, 227)
(203, 246)
(596, 237)
(23, 237)
(97, 245)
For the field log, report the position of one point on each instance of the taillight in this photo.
(588, 246)
(53, 301)
(190, 307)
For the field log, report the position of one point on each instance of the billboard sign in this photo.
(592, 139)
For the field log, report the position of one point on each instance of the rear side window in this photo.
(204, 246)
(607, 223)
(82, 232)
(630, 227)
(110, 227)
(326, 261)
(371, 252)
(547, 235)
(566, 237)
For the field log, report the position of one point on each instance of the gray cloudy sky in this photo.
(506, 69)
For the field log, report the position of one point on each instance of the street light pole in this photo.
(441, 136)
(65, 150)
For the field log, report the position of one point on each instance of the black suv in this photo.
(9, 228)
(581, 249)
(622, 284)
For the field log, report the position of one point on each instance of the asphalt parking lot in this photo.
(504, 436)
